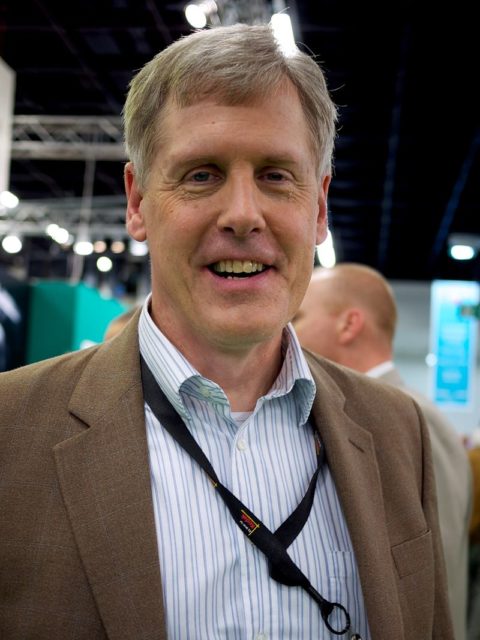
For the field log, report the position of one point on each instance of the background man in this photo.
(349, 316)
(114, 523)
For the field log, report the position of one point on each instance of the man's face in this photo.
(232, 210)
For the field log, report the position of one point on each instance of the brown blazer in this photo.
(78, 547)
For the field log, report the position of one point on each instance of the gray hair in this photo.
(234, 64)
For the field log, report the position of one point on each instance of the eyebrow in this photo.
(184, 159)
(282, 159)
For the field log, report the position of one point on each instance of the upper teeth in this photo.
(238, 266)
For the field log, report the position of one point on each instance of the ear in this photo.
(322, 222)
(135, 217)
(350, 325)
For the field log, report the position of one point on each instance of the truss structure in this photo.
(106, 217)
(49, 137)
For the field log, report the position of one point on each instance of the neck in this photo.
(368, 359)
(244, 377)
(245, 372)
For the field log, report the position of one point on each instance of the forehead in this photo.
(276, 121)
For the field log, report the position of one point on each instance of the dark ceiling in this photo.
(405, 77)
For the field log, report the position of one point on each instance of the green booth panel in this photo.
(64, 317)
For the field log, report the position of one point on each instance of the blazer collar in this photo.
(105, 483)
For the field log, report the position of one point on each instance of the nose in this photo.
(241, 213)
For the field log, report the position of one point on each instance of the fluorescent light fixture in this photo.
(326, 252)
(462, 252)
(283, 32)
(463, 246)
(8, 200)
(12, 244)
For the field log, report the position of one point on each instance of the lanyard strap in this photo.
(273, 545)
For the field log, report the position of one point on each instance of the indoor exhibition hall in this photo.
(398, 232)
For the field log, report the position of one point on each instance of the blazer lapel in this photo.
(352, 462)
(105, 483)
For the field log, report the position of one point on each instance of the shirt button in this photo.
(205, 391)
(261, 636)
(241, 446)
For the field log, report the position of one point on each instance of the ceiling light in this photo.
(463, 246)
(99, 246)
(138, 249)
(12, 244)
(195, 16)
(51, 229)
(326, 252)
(283, 32)
(118, 246)
(8, 200)
(199, 13)
(462, 252)
(83, 248)
(104, 264)
(61, 235)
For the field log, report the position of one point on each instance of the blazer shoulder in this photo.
(45, 381)
(57, 377)
(355, 386)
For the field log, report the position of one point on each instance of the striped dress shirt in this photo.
(215, 582)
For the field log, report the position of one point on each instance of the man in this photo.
(136, 474)
(349, 316)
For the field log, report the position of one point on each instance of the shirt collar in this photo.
(174, 374)
(380, 369)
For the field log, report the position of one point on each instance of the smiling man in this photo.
(199, 476)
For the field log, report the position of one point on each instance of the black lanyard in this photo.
(274, 545)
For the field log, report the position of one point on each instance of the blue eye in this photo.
(275, 176)
(201, 176)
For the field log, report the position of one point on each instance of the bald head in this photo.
(348, 315)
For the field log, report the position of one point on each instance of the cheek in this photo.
(297, 237)
(169, 222)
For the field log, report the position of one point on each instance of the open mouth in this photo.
(238, 268)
